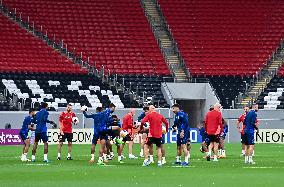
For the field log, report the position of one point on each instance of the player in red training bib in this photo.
(66, 120)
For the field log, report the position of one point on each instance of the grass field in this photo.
(232, 171)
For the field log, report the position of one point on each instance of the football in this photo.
(75, 120)
(146, 125)
(137, 124)
(84, 108)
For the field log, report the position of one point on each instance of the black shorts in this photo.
(214, 138)
(68, 136)
(24, 136)
(41, 136)
(249, 138)
(152, 140)
(113, 134)
(127, 138)
(242, 138)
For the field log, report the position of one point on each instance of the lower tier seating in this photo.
(148, 87)
(228, 88)
(58, 89)
(273, 95)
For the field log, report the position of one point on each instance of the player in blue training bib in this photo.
(101, 122)
(205, 139)
(28, 125)
(183, 134)
(250, 127)
(41, 131)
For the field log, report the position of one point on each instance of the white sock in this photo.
(223, 152)
(104, 156)
(252, 153)
(44, 156)
(219, 151)
(111, 154)
(250, 159)
(186, 159)
(101, 158)
(58, 154)
(215, 157)
(92, 156)
(68, 155)
(246, 159)
(210, 153)
(159, 162)
(22, 155)
(163, 159)
(119, 158)
(33, 157)
(178, 158)
(188, 155)
(141, 151)
(243, 152)
(151, 157)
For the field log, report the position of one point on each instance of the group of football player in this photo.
(151, 127)
(247, 125)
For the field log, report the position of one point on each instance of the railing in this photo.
(265, 74)
(164, 50)
(175, 45)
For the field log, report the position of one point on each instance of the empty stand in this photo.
(22, 52)
(115, 34)
(58, 89)
(273, 96)
(281, 70)
(228, 88)
(148, 87)
(225, 37)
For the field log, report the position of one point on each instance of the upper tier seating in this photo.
(115, 34)
(225, 37)
(20, 51)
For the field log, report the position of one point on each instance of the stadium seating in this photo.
(20, 51)
(281, 71)
(115, 34)
(227, 88)
(58, 89)
(147, 86)
(34, 72)
(273, 96)
(225, 37)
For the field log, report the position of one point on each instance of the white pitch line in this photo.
(37, 164)
(262, 167)
(179, 166)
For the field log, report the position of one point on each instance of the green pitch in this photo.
(268, 171)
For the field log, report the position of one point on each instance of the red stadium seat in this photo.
(22, 52)
(233, 37)
(105, 30)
